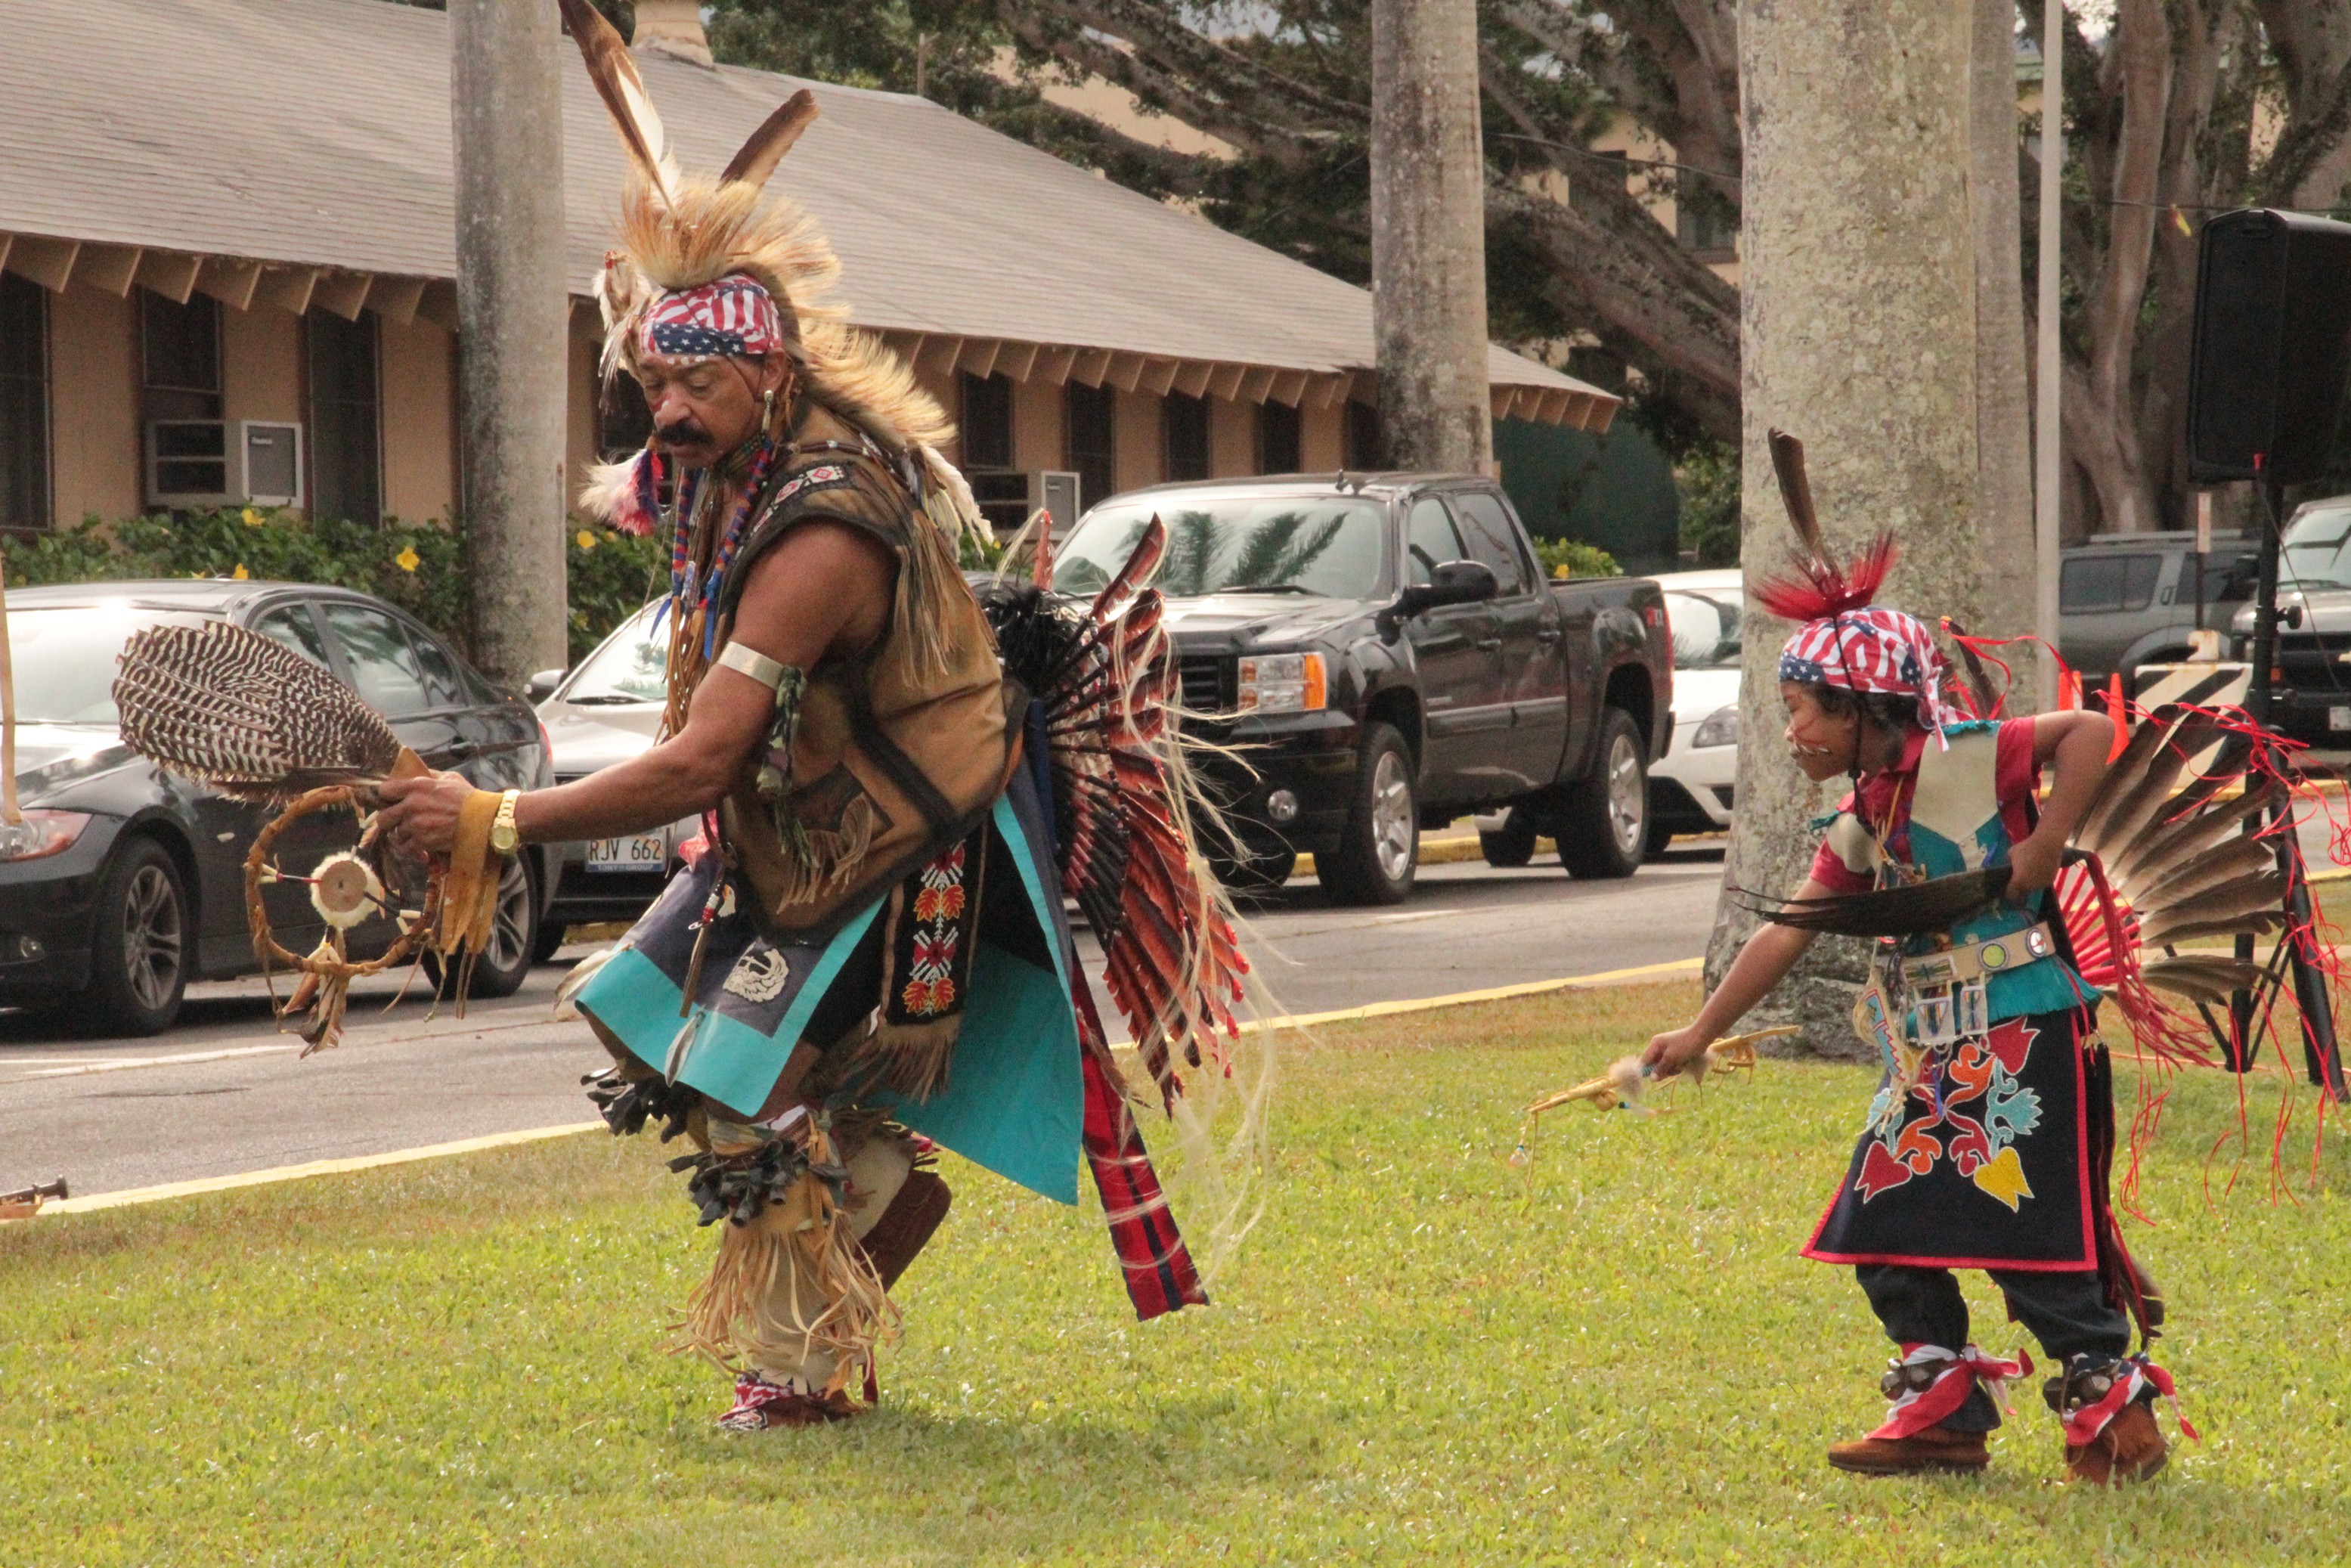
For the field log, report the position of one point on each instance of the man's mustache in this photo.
(685, 432)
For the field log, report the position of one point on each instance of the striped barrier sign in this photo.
(2198, 685)
(2202, 684)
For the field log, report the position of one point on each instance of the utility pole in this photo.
(2011, 575)
(506, 105)
(1428, 236)
(1858, 307)
(2047, 498)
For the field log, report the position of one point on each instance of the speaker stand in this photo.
(2321, 1056)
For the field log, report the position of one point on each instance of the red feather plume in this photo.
(1817, 588)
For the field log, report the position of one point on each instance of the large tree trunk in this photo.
(1428, 236)
(2004, 409)
(1859, 315)
(512, 307)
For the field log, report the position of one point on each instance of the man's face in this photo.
(705, 409)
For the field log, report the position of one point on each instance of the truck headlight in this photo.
(1720, 728)
(41, 833)
(1283, 682)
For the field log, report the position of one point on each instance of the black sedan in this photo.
(130, 884)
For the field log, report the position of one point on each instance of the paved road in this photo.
(224, 1093)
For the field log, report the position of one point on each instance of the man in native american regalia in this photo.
(871, 955)
(1990, 1140)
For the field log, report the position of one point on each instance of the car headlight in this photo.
(1720, 728)
(41, 833)
(1283, 682)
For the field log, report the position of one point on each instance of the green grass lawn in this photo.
(1422, 1355)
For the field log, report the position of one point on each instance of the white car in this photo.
(605, 710)
(1690, 785)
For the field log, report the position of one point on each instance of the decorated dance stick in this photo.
(26, 1201)
(1621, 1087)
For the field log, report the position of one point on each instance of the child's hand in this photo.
(2032, 864)
(1669, 1053)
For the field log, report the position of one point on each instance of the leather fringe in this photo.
(795, 1259)
(820, 861)
(908, 1058)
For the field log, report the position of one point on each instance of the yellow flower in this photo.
(407, 560)
(253, 519)
(240, 574)
(584, 540)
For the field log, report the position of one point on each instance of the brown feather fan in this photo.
(1936, 904)
(246, 714)
(2178, 860)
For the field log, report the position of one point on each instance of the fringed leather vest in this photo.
(900, 750)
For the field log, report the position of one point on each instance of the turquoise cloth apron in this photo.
(1014, 1097)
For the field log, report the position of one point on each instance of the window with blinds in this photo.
(1090, 440)
(1277, 439)
(1183, 426)
(24, 403)
(346, 440)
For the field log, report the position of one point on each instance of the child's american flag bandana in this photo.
(1873, 649)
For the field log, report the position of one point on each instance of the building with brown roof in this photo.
(226, 254)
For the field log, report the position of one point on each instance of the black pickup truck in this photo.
(1376, 654)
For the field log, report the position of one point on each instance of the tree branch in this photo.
(2141, 58)
(1214, 111)
(1156, 32)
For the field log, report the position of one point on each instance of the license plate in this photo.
(637, 851)
(2338, 718)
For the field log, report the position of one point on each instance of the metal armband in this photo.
(789, 683)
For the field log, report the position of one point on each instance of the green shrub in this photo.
(612, 574)
(421, 567)
(1572, 557)
(1708, 478)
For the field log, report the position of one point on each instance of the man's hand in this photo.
(1669, 1053)
(421, 813)
(2032, 864)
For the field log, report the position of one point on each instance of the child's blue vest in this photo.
(1955, 826)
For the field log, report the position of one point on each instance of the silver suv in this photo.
(2312, 699)
(2127, 600)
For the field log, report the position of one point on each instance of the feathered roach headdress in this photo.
(681, 232)
(1842, 639)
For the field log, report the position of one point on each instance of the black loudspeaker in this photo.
(2272, 344)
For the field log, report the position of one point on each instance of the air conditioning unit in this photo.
(272, 462)
(1056, 493)
(192, 463)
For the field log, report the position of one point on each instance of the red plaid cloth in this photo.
(1151, 1252)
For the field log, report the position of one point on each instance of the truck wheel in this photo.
(1604, 823)
(1258, 873)
(139, 954)
(1512, 844)
(1379, 849)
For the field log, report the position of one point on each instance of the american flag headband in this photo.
(733, 317)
